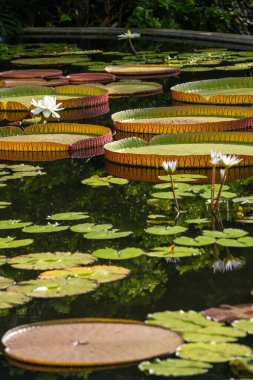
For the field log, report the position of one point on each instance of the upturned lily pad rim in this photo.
(15, 330)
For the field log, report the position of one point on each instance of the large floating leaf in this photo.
(245, 325)
(12, 224)
(31, 73)
(36, 229)
(226, 233)
(214, 334)
(174, 252)
(48, 260)
(242, 242)
(61, 287)
(96, 181)
(11, 299)
(147, 69)
(90, 227)
(133, 87)
(99, 273)
(49, 61)
(5, 282)
(69, 216)
(212, 352)
(113, 254)
(107, 234)
(165, 230)
(198, 221)
(174, 367)
(199, 241)
(228, 313)
(10, 242)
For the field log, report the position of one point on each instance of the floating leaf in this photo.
(48, 260)
(113, 254)
(69, 216)
(242, 367)
(5, 282)
(245, 325)
(3, 260)
(99, 273)
(9, 242)
(212, 352)
(198, 221)
(4, 204)
(174, 367)
(199, 241)
(214, 334)
(248, 199)
(55, 288)
(228, 313)
(10, 299)
(107, 234)
(90, 227)
(175, 252)
(242, 242)
(165, 230)
(97, 181)
(12, 224)
(36, 229)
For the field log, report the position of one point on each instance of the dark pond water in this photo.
(154, 284)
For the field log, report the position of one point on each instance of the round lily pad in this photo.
(61, 287)
(242, 242)
(244, 325)
(174, 367)
(5, 282)
(12, 224)
(147, 69)
(107, 234)
(199, 241)
(36, 229)
(69, 216)
(99, 273)
(48, 260)
(175, 252)
(133, 88)
(88, 342)
(165, 230)
(113, 254)
(90, 227)
(49, 61)
(96, 181)
(79, 78)
(30, 73)
(10, 242)
(214, 334)
(212, 352)
(11, 299)
(226, 233)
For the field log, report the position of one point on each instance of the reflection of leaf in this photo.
(3, 260)
(174, 367)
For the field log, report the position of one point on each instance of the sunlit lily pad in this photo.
(69, 216)
(11, 299)
(3, 260)
(248, 199)
(55, 288)
(242, 242)
(245, 325)
(107, 234)
(174, 367)
(10, 242)
(212, 352)
(90, 227)
(12, 224)
(113, 254)
(226, 233)
(36, 229)
(199, 241)
(4, 204)
(48, 260)
(214, 334)
(198, 221)
(5, 282)
(49, 61)
(242, 367)
(165, 230)
(99, 273)
(175, 252)
(133, 87)
(96, 181)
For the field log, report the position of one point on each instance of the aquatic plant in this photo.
(129, 36)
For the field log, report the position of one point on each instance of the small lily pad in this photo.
(10, 299)
(226, 233)
(165, 230)
(199, 241)
(214, 334)
(245, 325)
(113, 254)
(174, 253)
(69, 216)
(5, 282)
(212, 352)
(12, 224)
(48, 260)
(3, 260)
(198, 221)
(174, 367)
(243, 242)
(96, 181)
(99, 273)
(36, 229)
(90, 227)
(10, 242)
(107, 234)
(61, 287)
(4, 204)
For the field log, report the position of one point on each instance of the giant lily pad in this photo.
(90, 227)
(36, 229)
(242, 242)
(99, 273)
(226, 233)
(71, 96)
(69, 216)
(48, 260)
(30, 73)
(53, 137)
(215, 91)
(88, 342)
(9, 83)
(11, 299)
(212, 352)
(113, 254)
(50, 61)
(162, 120)
(80, 78)
(140, 70)
(55, 288)
(174, 367)
(189, 150)
(133, 88)
(199, 241)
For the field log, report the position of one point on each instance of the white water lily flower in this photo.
(169, 166)
(215, 158)
(229, 160)
(47, 106)
(127, 35)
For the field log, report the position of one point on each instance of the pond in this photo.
(154, 284)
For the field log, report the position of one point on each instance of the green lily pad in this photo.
(90, 227)
(198, 221)
(10, 242)
(4, 204)
(61, 287)
(214, 334)
(107, 234)
(12, 224)
(48, 260)
(174, 367)
(69, 216)
(35, 229)
(212, 352)
(5, 282)
(226, 233)
(50, 61)
(199, 241)
(99, 273)
(244, 325)
(174, 253)
(180, 321)
(242, 367)
(165, 230)
(113, 254)
(9, 300)
(248, 199)
(169, 195)
(97, 181)
(242, 242)
(183, 177)
(3, 260)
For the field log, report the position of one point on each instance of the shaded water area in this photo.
(154, 284)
